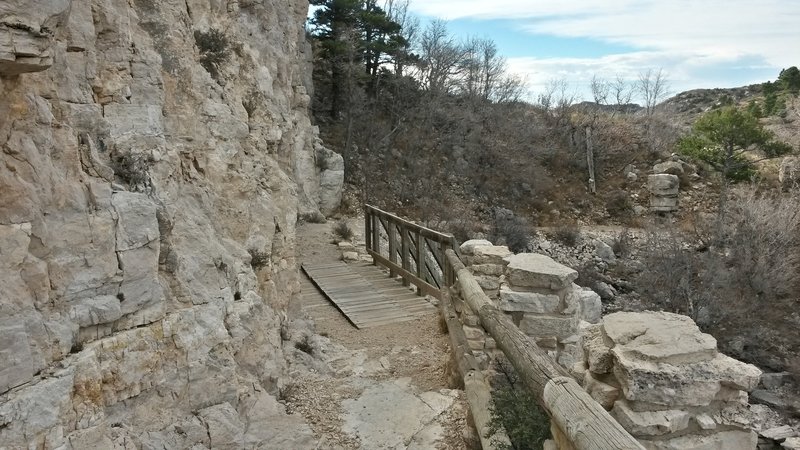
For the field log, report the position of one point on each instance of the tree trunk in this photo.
(590, 160)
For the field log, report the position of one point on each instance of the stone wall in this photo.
(537, 293)
(135, 187)
(658, 375)
(666, 383)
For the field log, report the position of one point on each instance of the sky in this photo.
(697, 43)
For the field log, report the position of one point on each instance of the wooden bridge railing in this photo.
(416, 253)
(581, 423)
(428, 259)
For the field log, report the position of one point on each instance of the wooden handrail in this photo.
(416, 246)
(580, 421)
(585, 424)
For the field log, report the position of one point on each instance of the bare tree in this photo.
(601, 89)
(440, 58)
(509, 89)
(653, 86)
(557, 98)
(622, 93)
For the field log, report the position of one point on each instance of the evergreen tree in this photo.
(789, 79)
(721, 137)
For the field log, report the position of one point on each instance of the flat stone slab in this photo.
(779, 433)
(538, 271)
(513, 301)
(650, 423)
(727, 440)
(468, 247)
(546, 326)
(490, 254)
(659, 337)
(695, 384)
(391, 414)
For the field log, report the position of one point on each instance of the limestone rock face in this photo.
(134, 182)
(26, 34)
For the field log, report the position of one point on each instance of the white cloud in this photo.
(682, 36)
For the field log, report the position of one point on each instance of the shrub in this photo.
(566, 234)
(672, 279)
(133, 168)
(258, 259)
(516, 411)
(213, 46)
(462, 229)
(514, 231)
(315, 217)
(618, 204)
(342, 231)
(304, 346)
(743, 287)
(762, 238)
(622, 243)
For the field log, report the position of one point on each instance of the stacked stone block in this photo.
(666, 383)
(537, 292)
(663, 189)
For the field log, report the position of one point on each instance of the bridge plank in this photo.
(365, 294)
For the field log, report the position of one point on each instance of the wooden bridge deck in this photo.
(364, 293)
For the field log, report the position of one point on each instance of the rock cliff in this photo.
(155, 157)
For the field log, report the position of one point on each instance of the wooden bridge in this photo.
(428, 260)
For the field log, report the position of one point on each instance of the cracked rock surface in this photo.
(136, 187)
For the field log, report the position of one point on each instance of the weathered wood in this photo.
(420, 257)
(590, 160)
(465, 360)
(427, 232)
(368, 231)
(423, 288)
(477, 389)
(392, 235)
(405, 253)
(376, 234)
(586, 424)
(359, 300)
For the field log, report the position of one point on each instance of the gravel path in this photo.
(381, 387)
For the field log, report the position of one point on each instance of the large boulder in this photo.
(659, 337)
(664, 359)
(669, 167)
(663, 185)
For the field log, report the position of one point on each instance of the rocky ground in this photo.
(382, 387)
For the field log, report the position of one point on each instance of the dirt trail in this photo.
(381, 387)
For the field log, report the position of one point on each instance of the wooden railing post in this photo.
(376, 235)
(391, 231)
(405, 253)
(420, 258)
(368, 228)
(429, 276)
